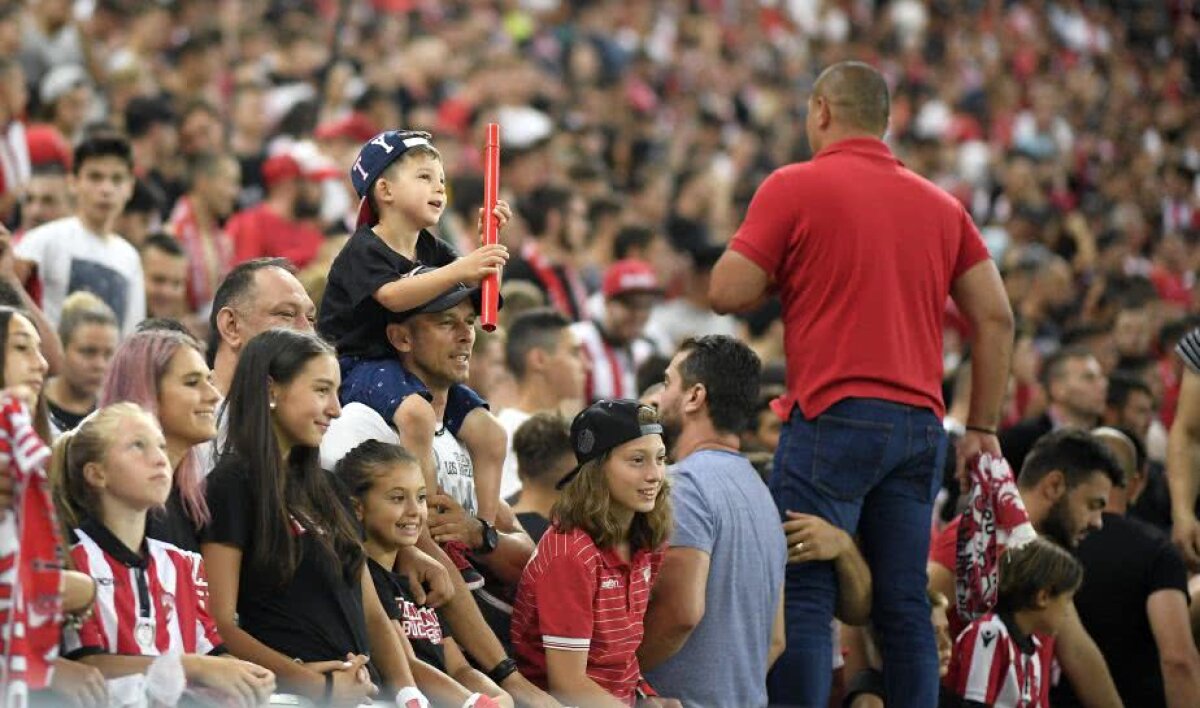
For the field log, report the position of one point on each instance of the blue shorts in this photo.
(381, 384)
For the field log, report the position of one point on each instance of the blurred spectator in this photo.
(142, 215)
(196, 221)
(45, 198)
(542, 447)
(545, 358)
(1129, 404)
(82, 252)
(1076, 389)
(690, 314)
(614, 343)
(89, 336)
(281, 226)
(150, 124)
(14, 157)
(67, 100)
(165, 267)
(555, 219)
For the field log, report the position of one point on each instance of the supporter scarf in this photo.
(994, 519)
(569, 303)
(30, 564)
(208, 259)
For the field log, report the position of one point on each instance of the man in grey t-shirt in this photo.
(721, 583)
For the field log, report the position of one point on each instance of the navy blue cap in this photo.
(374, 157)
(602, 426)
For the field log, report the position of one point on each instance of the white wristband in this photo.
(471, 700)
(410, 697)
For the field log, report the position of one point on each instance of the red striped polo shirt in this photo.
(994, 665)
(147, 604)
(574, 596)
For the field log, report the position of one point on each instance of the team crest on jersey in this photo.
(646, 574)
(167, 605)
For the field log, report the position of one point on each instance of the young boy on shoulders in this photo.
(402, 184)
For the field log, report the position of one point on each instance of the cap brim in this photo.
(366, 215)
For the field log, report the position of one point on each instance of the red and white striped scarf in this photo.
(30, 561)
(993, 521)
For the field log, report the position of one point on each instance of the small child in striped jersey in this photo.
(151, 596)
(996, 661)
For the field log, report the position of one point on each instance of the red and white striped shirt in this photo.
(993, 664)
(149, 604)
(574, 596)
(614, 368)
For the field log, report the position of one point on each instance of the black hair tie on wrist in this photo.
(981, 429)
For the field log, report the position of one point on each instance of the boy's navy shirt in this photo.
(350, 317)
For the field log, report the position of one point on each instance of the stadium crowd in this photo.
(239, 305)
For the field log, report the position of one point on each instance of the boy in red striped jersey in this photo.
(995, 661)
(151, 596)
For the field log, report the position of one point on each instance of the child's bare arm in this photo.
(487, 442)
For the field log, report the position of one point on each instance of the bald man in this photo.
(863, 254)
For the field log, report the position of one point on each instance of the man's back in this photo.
(865, 252)
(723, 508)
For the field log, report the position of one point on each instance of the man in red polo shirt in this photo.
(863, 254)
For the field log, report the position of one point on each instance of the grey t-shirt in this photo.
(723, 508)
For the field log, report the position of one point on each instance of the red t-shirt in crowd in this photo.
(864, 252)
(574, 596)
(261, 232)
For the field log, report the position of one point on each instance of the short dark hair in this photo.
(729, 371)
(536, 207)
(1073, 452)
(233, 289)
(602, 207)
(650, 372)
(631, 237)
(1122, 385)
(539, 444)
(538, 328)
(144, 112)
(103, 145)
(165, 243)
(146, 199)
(1052, 370)
(1039, 565)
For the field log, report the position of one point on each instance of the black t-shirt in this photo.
(62, 418)
(424, 626)
(172, 525)
(1124, 563)
(350, 317)
(317, 616)
(534, 524)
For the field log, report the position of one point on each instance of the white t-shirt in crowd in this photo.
(359, 423)
(673, 321)
(511, 419)
(70, 257)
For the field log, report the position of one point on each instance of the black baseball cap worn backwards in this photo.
(446, 300)
(374, 157)
(602, 426)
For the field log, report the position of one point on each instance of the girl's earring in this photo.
(272, 405)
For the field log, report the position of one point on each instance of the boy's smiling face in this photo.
(413, 189)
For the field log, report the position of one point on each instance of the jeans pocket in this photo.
(848, 455)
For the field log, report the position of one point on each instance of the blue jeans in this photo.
(872, 468)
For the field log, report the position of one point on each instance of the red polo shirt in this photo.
(573, 596)
(863, 251)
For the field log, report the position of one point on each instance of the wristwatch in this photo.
(491, 538)
(503, 670)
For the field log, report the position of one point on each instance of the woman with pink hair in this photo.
(164, 372)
